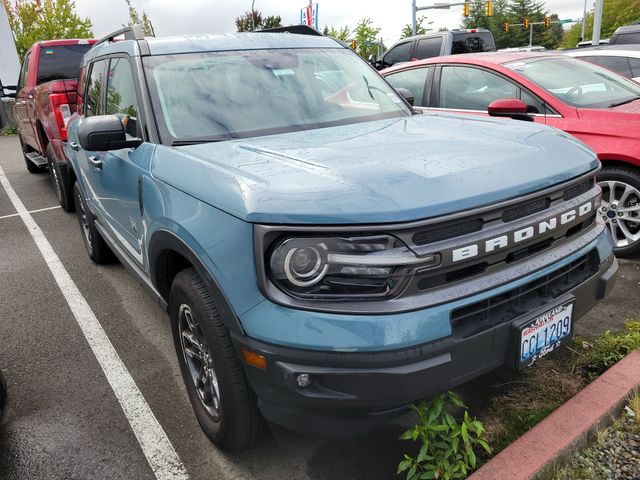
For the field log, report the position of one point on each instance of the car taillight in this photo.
(61, 112)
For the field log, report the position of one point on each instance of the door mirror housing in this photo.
(509, 107)
(104, 132)
(407, 95)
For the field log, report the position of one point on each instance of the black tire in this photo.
(31, 167)
(3, 398)
(623, 177)
(60, 181)
(236, 424)
(97, 248)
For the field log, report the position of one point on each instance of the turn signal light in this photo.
(255, 360)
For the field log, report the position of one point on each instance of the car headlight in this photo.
(358, 267)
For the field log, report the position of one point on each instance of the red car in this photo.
(45, 100)
(594, 104)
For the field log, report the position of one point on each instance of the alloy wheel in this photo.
(620, 209)
(199, 361)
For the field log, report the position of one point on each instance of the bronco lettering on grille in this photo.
(520, 235)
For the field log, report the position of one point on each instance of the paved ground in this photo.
(64, 419)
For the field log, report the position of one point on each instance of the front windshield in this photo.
(216, 96)
(578, 83)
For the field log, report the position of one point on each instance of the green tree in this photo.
(421, 29)
(615, 13)
(144, 21)
(272, 21)
(365, 35)
(244, 23)
(35, 20)
(341, 33)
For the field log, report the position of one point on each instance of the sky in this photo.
(171, 17)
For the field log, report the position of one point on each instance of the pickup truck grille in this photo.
(488, 313)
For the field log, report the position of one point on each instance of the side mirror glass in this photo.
(104, 132)
(407, 95)
(509, 107)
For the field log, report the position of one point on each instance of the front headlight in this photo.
(344, 267)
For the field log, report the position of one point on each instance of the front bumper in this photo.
(351, 393)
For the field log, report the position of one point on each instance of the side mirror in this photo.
(407, 95)
(373, 61)
(509, 107)
(104, 132)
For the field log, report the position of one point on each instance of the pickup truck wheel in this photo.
(31, 167)
(60, 182)
(97, 249)
(620, 208)
(222, 400)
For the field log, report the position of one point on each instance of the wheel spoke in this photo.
(614, 233)
(612, 188)
(628, 235)
(628, 190)
(632, 208)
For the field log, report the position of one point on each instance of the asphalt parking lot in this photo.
(65, 420)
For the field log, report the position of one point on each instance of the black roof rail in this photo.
(295, 29)
(132, 32)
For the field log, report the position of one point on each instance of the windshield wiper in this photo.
(624, 102)
(193, 141)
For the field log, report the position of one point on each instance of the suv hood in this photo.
(376, 172)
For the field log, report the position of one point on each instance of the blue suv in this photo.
(326, 255)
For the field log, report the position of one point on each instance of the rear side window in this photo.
(121, 94)
(413, 80)
(428, 47)
(617, 64)
(60, 62)
(399, 53)
(472, 43)
(635, 67)
(94, 88)
(626, 39)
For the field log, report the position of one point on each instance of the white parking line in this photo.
(31, 211)
(157, 448)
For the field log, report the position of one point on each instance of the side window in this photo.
(635, 66)
(617, 64)
(428, 47)
(468, 88)
(121, 94)
(24, 71)
(413, 80)
(399, 53)
(93, 104)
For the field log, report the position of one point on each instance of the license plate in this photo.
(544, 334)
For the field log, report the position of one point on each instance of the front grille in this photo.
(525, 209)
(445, 232)
(578, 189)
(480, 316)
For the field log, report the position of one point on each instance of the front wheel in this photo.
(222, 400)
(620, 208)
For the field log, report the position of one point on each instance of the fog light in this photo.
(303, 380)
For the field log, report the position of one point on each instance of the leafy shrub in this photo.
(448, 448)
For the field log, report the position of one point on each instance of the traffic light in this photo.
(505, 27)
(466, 9)
(489, 8)
(353, 44)
(547, 22)
(525, 24)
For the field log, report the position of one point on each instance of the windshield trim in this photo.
(167, 139)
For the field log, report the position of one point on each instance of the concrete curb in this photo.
(567, 429)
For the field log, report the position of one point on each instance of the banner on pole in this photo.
(309, 16)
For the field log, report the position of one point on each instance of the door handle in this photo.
(95, 162)
(74, 146)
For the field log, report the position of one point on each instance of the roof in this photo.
(488, 58)
(611, 50)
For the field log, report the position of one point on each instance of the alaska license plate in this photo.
(544, 334)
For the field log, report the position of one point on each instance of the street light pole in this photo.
(531, 35)
(413, 17)
(253, 23)
(597, 23)
(584, 21)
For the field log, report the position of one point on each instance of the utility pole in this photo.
(531, 34)
(413, 18)
(597, 23)
(253, 23)
(584, 21)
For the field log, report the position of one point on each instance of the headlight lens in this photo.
(344, 267)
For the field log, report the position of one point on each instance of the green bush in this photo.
(448, 448)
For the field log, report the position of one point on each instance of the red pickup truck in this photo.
(45, 100)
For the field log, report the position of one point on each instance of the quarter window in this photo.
(635, 66)
(617, 64)
(121, 94)
(468, 88)
(94, 89)
(413, 80)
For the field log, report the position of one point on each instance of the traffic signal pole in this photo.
(435, 6)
